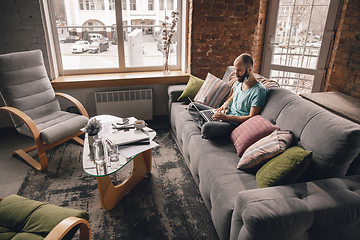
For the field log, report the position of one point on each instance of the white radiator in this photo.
(132, 103)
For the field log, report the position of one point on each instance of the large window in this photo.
(123, 4)
(91, 4)
(131, 40)
(150, 5)
(132, 4)
(298, 40)
(111, 4)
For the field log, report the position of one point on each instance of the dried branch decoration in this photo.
(168, 31)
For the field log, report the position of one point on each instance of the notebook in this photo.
(127, 137)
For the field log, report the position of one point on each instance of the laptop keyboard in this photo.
(208, 115)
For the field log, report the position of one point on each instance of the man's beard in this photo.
(243, 77)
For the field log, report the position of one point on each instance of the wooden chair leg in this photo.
(26, 157)
(39, 144)
(79, 141)
(43, 162)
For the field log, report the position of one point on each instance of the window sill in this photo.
(118, 79)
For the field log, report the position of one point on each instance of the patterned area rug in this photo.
(165, 205)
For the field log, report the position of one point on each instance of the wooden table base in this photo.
(110, 195)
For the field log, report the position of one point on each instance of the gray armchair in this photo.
(35, 111)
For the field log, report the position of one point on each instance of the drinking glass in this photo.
(113, 155)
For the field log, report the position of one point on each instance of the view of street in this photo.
(109, 59)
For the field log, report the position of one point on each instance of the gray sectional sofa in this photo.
(324, 203)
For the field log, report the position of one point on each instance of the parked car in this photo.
(316, 44)
(97, 37)
(97, 46)
(80, 46)
(70, 39)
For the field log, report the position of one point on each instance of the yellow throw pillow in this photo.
(284, 168)
(192, 88)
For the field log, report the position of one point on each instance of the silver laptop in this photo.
(206, 114)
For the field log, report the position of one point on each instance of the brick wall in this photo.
(222, 30)
(218, 32)
(21, 27)
(344, 66)
(259, 37)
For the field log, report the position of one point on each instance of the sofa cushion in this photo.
(230, 76)
(251, 131)
(219, 184)
(284, 168)
(296, 114)
(264, 149)
(334, 141)
(213, 91)
(268, 83)
(226, 76)
(175, 91)
(276, 100)
(192, 88)
(233, 79)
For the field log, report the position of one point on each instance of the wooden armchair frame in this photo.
(39, 144)
(60, 230)
(66, 225)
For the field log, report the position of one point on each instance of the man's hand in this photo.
(219, 116)
(224, 108)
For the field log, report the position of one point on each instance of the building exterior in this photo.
(96, 13)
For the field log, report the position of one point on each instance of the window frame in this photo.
(55, 57)
(151, 5)
(133, 5)
(325, 50)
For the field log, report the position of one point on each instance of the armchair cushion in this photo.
(25, 85)
(56, 126)
(28, 219)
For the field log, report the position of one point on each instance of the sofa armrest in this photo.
(288, 212)
(174, 92)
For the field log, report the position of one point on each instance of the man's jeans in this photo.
(210, 129)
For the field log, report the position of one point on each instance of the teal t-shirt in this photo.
(244, 100)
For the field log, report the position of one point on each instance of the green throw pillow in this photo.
(192, 88)
(284, 168)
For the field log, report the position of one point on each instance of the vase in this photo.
(166, 58)
(99, 150)
(91, 139)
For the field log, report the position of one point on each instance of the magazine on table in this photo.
(128, 137)
(124, 123)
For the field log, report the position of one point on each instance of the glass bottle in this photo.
(99, 151)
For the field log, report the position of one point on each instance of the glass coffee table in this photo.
(109, 194)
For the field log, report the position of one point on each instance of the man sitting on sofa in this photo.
(246, 100)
